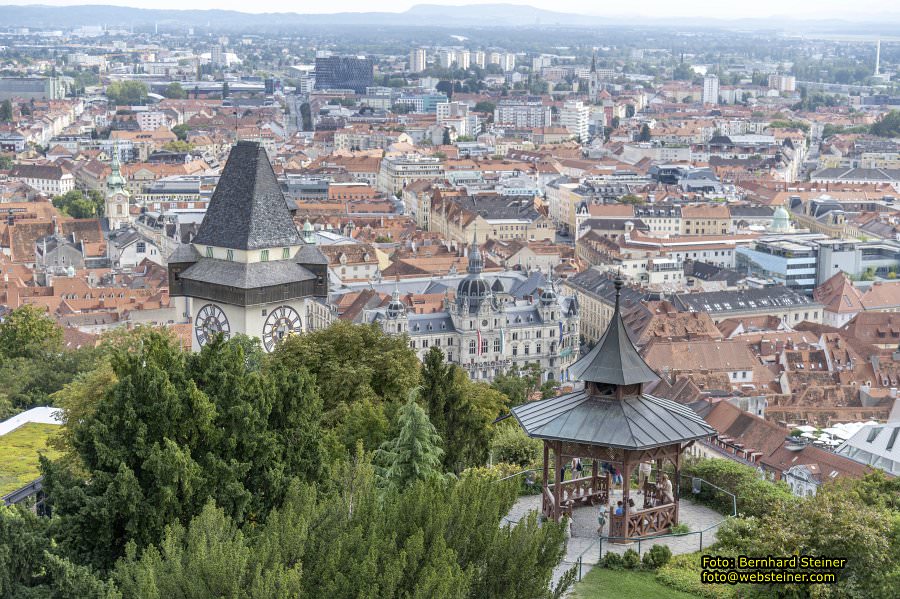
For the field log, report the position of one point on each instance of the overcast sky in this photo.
(724, 9)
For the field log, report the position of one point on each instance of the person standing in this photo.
(643, 475)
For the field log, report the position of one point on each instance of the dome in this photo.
(395, 308)
(70, 271)
(548, 295)
(473, 288)
(781, 220)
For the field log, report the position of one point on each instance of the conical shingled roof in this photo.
(247, 210)
(614, 360)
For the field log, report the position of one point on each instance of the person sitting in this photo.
(620, 511)
(665, 490)
(631, 503)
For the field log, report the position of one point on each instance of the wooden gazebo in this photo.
(611, 420)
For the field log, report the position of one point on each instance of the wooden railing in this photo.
(548, 502)
(651, 521)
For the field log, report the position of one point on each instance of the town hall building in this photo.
(488, 336)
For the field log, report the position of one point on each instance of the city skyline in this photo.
(709, 9)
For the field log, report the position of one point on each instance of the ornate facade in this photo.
(487, 335)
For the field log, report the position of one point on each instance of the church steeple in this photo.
(476, 262)
(614, 360)
(594, 62)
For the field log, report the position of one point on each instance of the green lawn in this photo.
(601, 583)
(19, 454)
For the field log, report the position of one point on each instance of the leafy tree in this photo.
(27, 332)
(181, 131)
(645, 133)
(512, 446)
(415, 453)
(631, 198)
(75, 204)
(127, 92)
(888, 125)
(519, 384)
(179, 146)
(461, 411)
(6, 111)
(683, 72)
(174, 91)
(485, 106)
(306, 116)
(6, 162)
(174, 430)
(445, 87)
(352, 362)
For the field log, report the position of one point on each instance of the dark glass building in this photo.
(345, 72)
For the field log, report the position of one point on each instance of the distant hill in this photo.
(422, 15)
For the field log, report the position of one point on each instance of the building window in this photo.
(209, 251)
(285, 253)
(515, 350)
(497, 345)
(484, 346)
(527, 349)
(472, 347)
(141, 247)
(537, 348)
(229, 255)
(264, 256)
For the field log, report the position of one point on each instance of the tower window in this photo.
(264, 256)
(285, 253)
(209, 252)
(229, 255)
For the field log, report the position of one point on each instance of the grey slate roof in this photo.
(742, 300)
(614, 360)
(247, 210)
(246, 276)
(310, 254)
(185, 252)
(637, 422)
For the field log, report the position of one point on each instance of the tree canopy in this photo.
(230, 472)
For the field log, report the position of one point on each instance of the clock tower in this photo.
(247, 270)
(117, 201)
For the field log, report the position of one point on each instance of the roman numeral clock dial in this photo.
(210, 321)
(281, 322)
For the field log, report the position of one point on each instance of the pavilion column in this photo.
(676, 484)
(595, 471)
(626, 490)
(557, 478)
(546, 483)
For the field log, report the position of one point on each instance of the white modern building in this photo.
(711, 89)
(526, 112)
(575, 117)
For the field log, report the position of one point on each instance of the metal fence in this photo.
(698, 490)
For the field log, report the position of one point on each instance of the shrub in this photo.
(612, 561)
(631, 559)
(682, 573)
(680, 529)
(510, 444)
(755, 496)
(657, 557)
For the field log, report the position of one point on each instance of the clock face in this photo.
(210, 321)
(282, 321)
